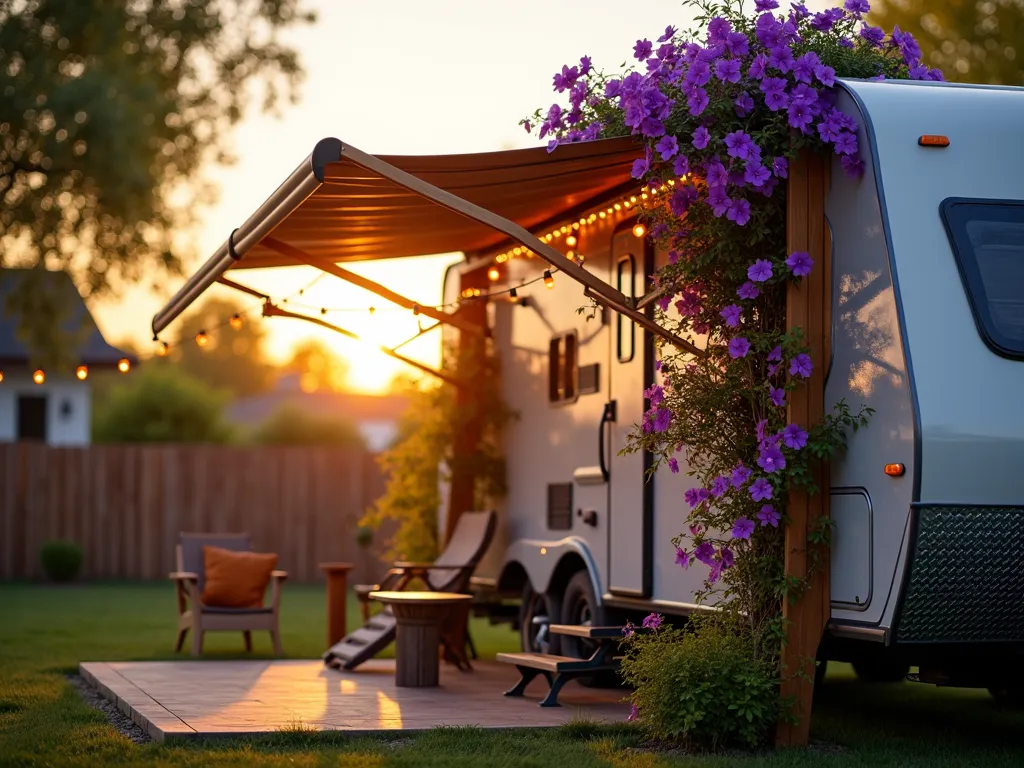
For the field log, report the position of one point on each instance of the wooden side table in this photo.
(337, 599)
(419, 616)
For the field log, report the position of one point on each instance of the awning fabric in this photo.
(357, 216)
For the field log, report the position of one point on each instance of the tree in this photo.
(233, 358)
(111, 109)
(319, 368)
(290, 425)
(975, 41)
(161, 404)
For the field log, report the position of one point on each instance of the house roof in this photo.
(61, 291)
(356, 408)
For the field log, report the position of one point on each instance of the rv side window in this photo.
(562, 368)
(988, 240)
(625, 329)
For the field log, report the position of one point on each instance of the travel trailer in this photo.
(927, 561)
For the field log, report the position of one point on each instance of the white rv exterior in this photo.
(928, 330)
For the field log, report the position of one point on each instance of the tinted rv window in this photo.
(625, 329)
(562, 368)
(988, 240)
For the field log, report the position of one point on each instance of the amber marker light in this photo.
(39, 377)
(929, 140)
(895, 470)
(82, 372)
(124, 365)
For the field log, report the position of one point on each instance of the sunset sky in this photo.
(398, 77)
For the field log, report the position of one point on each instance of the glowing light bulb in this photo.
(235, 322)
(570, 240)
(162, 349)
(639, 230)
(1, 375)
(39, 377)
(549, 280)
(570, 255)
(82, 372)
(493, 274)
(124, 365)
(202, 339)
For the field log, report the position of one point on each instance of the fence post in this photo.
(808, 306)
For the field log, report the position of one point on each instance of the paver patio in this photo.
(188, 699)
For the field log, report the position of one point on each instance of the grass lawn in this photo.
(46, 631)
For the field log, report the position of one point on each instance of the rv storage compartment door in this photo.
(627, 519)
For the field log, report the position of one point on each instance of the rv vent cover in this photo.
(560, 506)
(590, 376)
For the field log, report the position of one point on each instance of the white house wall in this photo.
(71, 429)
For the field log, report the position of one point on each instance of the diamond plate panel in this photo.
(966, 577)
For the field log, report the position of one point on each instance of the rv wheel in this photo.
(580, 608)
(536, 613)
(880, 671)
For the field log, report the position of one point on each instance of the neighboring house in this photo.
(40, 405)
(376, 416)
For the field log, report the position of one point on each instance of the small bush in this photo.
(290, 425)
(364, 536)
(703, 687)
(61, 560)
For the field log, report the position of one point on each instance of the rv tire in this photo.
(533, 635)
(580, 606)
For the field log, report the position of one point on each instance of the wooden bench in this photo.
(558, 670)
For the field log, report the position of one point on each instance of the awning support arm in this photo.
(416, 336)
(242, 288)
(608, 295)
(328, 266)
(270, 310)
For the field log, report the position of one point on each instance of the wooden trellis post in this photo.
(808, 305)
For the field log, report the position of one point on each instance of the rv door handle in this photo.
(608, 415)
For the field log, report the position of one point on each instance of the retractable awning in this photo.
(342, 204)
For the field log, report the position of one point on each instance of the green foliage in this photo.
(291, 425)
(364, 536)
(972, 41)
(424, 455)
(160, 404)
(704, 686)
(61, 560)
(111, 110)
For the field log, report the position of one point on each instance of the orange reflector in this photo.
(933, 141)
(894, 470)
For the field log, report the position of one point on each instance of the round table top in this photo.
(410, 596)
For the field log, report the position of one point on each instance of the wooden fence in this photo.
(126, 504)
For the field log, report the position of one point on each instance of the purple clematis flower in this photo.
(853, 166)
(719, 201)
(683, 558)
(715, 174)
(760, 271)
(801, 365)
(874, 35)
(800, 263)
(681, 166)
(748, 290)
(653, 621)
(719, 486)
(800, 116)
(778, 396)
(667, 34)
(728, 559)
(718, 30)
(640, 167)
(857, 6)
(741, 146)
(673, 465)
(846, 144)
(775, 356)
(761, 490)
(775, 96)
(642, 49)
(701, 136)
(697, 101)
(794, 437)
(705, 552)
(803, 70)
(780, 167)
(692, 498)
(738, 347)
(740, 475)
(742, 528)
(757, 67)
(731, 314)
(767, 516)
(662, 419)
(781, 58)
(728, 70)
(739, 211)
(744, 104)
(756, 175)
(770, 459)
(825, 75)
(667, 146)
(634, 713)
(737, 44)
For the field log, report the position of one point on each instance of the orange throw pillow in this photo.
(236, 579)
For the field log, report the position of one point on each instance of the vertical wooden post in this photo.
(337, 600)
(468, 355)
(808, 306)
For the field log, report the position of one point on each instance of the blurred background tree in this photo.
(290, 425)
(161, 404)
(233, 359)
(970, 41)
(111, 109)
(318, 367)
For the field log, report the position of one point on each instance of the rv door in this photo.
(628, 508)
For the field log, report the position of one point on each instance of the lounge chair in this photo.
(190, 581)
(450, 572)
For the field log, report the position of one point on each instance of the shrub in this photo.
(61, 560)
(364, 536)
(290, 425)
(704, 687)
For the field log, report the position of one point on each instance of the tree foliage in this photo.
(291, 425)
(110, 110)
(972, 41)
(318, 367)
(161, 404)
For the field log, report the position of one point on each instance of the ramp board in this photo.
(363, 644)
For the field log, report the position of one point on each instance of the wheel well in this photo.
(567, 567)
(512, 579)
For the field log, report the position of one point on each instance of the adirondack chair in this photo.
(189, 578)
(450, 572)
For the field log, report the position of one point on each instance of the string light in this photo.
(235, 322)
(39, 377)
(571, 241)
(1, 375)
(82, 372)
(162, 349)
(511, 294)
(639, 230)
(202, 339)
(124, 365)
(493, 274)
(549, 280)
